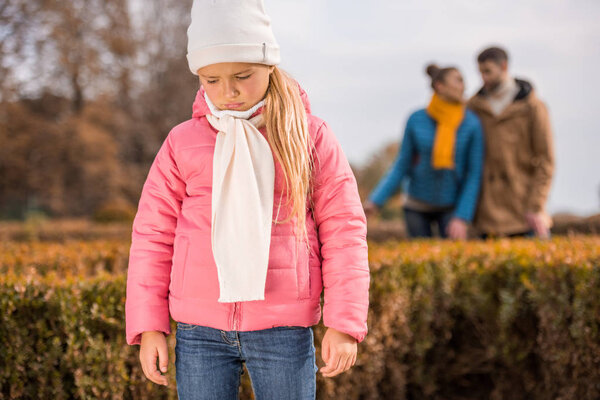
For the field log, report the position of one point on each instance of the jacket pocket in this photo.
(181, 246)
(302, 269)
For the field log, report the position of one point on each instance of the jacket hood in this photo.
(525, 88)
(200, 108)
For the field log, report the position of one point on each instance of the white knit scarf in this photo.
(242, 203)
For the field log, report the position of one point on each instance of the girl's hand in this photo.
(154, 343)
(338, 351)
(457, 229)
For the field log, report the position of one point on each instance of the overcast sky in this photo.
(362, 64)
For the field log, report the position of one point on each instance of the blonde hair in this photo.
(287, 132)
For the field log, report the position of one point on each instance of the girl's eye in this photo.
(208, 81)
(244, 77)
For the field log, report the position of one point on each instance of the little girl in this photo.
(250, 209)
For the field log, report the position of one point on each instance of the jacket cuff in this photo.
(143, 319)
(346, 322)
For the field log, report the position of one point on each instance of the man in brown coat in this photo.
(519, 155)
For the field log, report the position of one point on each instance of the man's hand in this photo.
(457, 229)
(338, 351)
(537, 222)
(154, 344)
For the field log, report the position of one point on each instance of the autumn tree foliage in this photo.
(89, 90)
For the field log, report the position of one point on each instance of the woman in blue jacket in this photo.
(441, 156)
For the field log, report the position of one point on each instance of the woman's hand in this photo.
(370, 208)
(338, 351)
(154, 343)
(457, 229)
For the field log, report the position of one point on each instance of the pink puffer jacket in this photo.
(171, 266)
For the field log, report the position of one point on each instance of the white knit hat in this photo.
(230, 31)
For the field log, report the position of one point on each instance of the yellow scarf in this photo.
(448, 117)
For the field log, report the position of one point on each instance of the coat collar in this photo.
(520, 103)
(525, 88)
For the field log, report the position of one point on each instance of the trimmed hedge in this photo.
(490, 319)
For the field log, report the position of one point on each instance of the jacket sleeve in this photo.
(542, 158)
(151, 251)
(392, 180)
(342, 230)
(469, 193)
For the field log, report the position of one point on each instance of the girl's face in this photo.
(452, 88)
(234, 85)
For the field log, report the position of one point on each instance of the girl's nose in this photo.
(231, 90)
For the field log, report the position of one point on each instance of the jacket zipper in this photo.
(235, 313)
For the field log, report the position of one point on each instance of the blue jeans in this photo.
(280, 362)
(418, 223)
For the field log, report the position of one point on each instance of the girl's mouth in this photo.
(233, 106)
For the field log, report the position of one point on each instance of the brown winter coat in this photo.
(519, 162)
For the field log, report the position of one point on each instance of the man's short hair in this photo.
(495, 54)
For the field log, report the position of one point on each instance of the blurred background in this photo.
(90, 89)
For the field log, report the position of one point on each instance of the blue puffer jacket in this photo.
(458, 187)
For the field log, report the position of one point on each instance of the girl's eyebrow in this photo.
(244, 71)
(237, 73)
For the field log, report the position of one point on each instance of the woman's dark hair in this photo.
(438, 74)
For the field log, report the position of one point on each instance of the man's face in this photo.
(492, 73)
